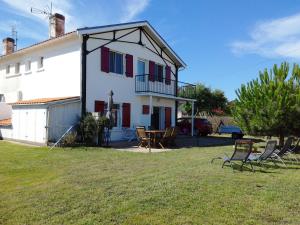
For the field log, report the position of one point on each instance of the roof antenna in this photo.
(47, 11)
(14, 34)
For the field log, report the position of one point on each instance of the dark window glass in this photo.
(115, 62)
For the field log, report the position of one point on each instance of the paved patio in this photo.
(181, 141)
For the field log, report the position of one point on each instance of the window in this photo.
(41, 63)
(116, 114)
(2, 98)
(28, 66)
(158, 75)
(17, 68)
(8, 69)
(115, 62)
(141, 70)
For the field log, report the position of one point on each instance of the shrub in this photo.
(88, 129)
(103, 122)
(69, 140)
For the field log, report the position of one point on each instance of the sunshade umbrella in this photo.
(110, 103)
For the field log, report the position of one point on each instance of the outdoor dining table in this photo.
(154, 136)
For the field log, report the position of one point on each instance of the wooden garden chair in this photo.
(164, 141)
(144, 140)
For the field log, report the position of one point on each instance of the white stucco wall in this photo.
(5, 111)
(6, 132)
(61, 118)
(100, 83)
(59, 77)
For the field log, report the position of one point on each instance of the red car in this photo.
(202, 126)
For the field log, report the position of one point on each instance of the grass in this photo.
(102, 186)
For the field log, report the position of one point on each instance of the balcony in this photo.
(162, 86)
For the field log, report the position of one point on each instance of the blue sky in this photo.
(224, 43)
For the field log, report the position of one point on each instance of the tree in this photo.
(269, 105)
(207, 99)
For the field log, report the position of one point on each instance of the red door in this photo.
(168, 116)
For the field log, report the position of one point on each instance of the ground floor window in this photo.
(116, 114)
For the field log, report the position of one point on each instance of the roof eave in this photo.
(99, 29)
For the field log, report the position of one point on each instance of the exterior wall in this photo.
(6, 132)
(100, 83)
(61, 118)
(61, 69)
(5, 111)
(29, 123)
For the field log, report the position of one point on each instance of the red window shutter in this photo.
(129, 65)
(99, 106)
(168, 116)
(105, 59)
(126, 115)
(151, 70)
(168, 75)
(146, 109)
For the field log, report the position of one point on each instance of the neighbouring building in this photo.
(46, 87)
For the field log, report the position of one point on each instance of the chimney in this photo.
(8, 46)
(56, 25)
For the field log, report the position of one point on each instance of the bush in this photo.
(69, 140)
(88, 129)
(103, 122)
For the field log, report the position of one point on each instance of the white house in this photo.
(44, 88)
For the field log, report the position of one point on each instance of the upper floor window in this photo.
(41, 63)
(2, 98)
(8, 69)
(28, 66)
(159, 72)
(17, 68)
(116, 62)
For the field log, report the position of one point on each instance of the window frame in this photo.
(156, 72)
(41, 63)
(115, 69)
(117, 112)
(142, 78)
(17, 65)
(7, 69)
(28, 65)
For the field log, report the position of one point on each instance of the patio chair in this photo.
(267, 153)
(164, 141)
(293, 148)
(144, 141)
(128, 134)
(286, 150)
(173, 135)
(242, 151)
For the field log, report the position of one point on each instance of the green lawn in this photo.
(100, 186)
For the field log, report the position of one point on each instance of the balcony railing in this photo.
(162, 86)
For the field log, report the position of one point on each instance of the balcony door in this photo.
(141, 70)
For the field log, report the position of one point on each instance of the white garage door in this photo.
(29, 124)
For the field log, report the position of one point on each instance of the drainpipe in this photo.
(47, 124)
(85, 38)
(176, 94)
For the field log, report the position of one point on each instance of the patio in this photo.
(181, 141)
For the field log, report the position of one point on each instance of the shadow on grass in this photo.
(263, 167)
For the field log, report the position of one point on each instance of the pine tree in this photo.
(269, 105)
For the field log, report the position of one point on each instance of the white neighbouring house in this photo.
(46, 87)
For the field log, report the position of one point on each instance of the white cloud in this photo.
(78, 13)
(133, 8)
(273, 38)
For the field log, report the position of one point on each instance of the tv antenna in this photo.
(14, 34)
(46, 11)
